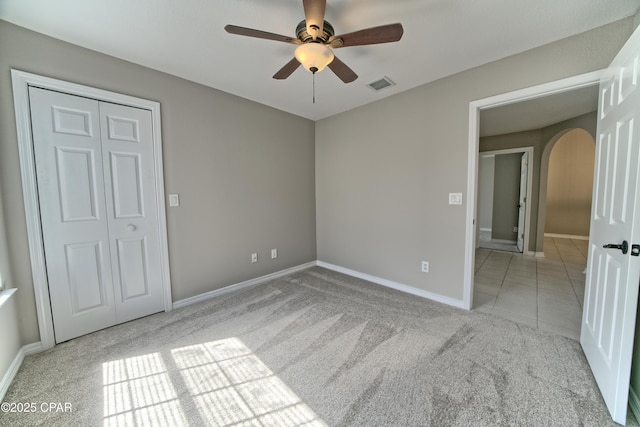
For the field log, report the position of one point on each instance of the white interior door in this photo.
(95, 174)
(611, 294)
(522, 202)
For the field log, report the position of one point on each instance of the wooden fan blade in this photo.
(287, 70)
(314, 16)
(383, 34)
(250, 32)
(341, 70)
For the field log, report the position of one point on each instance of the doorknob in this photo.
(624, 247)
(131, 227)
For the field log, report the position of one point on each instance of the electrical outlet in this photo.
(425, 266)
(455, 198)
(515, 229)
(254, 258)
(274, 253)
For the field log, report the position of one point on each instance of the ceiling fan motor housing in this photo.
(304, 36)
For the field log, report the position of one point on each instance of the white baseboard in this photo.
(539, 254)
(33, 348)
(235, 287)
(394, 285)
(8, 377)
(566, 236)
(634, 403)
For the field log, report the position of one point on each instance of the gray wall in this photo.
(384, 170)
(10, 335)
(10, 340)
(539, 139)
(6, 278)
(570, 184)
(506, 194)
(244, 172)
(486, 172)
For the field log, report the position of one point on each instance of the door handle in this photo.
(131, 227)
(624, 247)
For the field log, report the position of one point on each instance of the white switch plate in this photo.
(274, 253)
(254, 258)
(455, 198)
(174, 200)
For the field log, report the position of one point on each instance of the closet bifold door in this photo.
(96, 199)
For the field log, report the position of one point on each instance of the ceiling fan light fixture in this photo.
(314, 57)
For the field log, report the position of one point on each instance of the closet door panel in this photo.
(127, 152)
(71, 188)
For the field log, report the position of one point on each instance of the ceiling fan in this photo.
(315, 37)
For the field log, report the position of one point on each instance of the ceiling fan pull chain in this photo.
(314, 70)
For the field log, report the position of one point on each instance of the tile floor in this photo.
(545, 293)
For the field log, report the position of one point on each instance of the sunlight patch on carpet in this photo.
(227, 383)
(138, 391)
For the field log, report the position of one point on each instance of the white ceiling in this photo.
(187, 39)
(539, 112)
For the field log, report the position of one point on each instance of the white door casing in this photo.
(522, 202)
(21, 82)
(611, 290)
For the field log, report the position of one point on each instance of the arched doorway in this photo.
(566, 184)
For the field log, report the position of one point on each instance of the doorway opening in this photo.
(504, 192)
(547, 292)
(560, 87)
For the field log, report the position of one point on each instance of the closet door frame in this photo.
(21, 81)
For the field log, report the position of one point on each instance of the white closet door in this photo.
(95, 173)
(68, 157)
(127, 153)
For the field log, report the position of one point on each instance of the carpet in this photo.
(316, 348)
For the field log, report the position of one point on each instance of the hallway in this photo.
(544, 293)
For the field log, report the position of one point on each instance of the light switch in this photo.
(455, 198)
(174, 200)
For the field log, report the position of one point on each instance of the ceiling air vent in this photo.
(381, 84)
